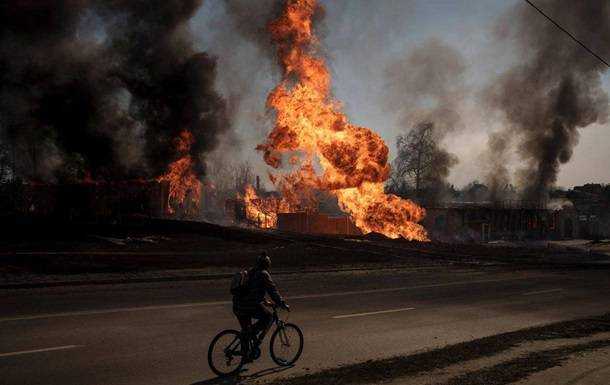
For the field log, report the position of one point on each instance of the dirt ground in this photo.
(584, 245)
(154, 245)
(583, 368)
(540, 355)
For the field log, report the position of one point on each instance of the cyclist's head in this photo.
(263, 261)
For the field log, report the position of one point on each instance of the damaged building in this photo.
(589, 206)
(583, 212)
(487, 221)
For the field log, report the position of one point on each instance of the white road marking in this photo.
(219, 303)
(373, 313)
(111, 311)
(542, 292)
(392, 289)
(40, 350)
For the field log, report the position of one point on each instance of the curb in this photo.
(210, 277)
(201, 277)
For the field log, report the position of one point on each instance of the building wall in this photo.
(93, 202)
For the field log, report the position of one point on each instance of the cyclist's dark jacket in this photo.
(260, 283)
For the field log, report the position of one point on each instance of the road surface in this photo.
(158, 333)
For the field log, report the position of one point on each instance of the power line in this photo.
(567, 32)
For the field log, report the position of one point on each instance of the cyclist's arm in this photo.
(271, 289)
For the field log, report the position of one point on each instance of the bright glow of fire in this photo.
(325, 151)
(263, 211)
(183, 182)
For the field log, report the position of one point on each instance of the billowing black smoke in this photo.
(497, 158)
(553, 90)
(103, 88)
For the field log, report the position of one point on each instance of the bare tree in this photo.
(421, 164)
(225, 181)
(219, 174)
(415, 155)
(229, 177)
(396, 184)
(243, 175)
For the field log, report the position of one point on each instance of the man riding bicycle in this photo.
(250, 303)
(231, 349)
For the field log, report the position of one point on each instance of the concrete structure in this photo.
(316, 223)
(592, 205)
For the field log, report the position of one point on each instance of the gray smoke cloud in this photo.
(427, 84)
(236, 32)
(104, 88)
(251, 18)
(554, 89)
(251, 57)
(426, 88)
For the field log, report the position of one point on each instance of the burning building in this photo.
(101, 95)
(269, 210)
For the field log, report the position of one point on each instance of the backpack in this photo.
(239, 283)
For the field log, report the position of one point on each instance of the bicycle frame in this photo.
(232, 348)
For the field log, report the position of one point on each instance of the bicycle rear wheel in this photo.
(286, 344)
(225, 354)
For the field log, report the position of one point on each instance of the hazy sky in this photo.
(360, 38)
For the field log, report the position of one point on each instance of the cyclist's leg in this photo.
(264, 316)
(243, 316)
(245, 322)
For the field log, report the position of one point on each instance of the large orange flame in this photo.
(183, 182)
(325, 151)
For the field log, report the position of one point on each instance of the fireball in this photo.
(323, 150)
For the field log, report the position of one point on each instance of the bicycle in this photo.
(226, 354)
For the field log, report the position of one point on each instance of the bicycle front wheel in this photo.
(226, 353)
(286, 344)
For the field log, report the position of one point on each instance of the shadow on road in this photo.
(238, 379)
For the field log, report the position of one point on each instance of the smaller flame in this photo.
(374, 211)
(264, 211)
(180, 175)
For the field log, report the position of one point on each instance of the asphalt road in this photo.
(158, 333)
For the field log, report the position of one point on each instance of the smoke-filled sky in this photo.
(103, 89)
(364, 41)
